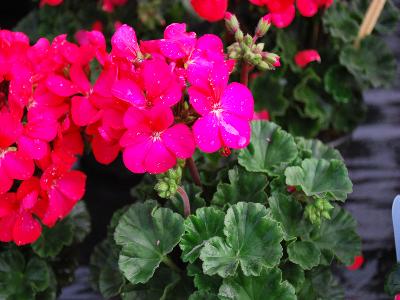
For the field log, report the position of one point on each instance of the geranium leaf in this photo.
(316, 149)
(304, 253)
(111, 281)
(339, 236)
(338, 82)
(203, 295)
(146, 234)
(368, 67)
(252, 241)
(202, 281)
(267, 286)
(392, 282)
(319, 176)
(37, 274)
(294, 274)
(205, 224)
(270, 149)
(243, 187)
(288, 213)
(80, 219)
(53, 240)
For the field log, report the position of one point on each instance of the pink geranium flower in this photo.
(50, 2)
(152, 144)
(16, 221)
(303, 58)
(156, 84)
(124, 43)
(309, 8)
(64, 189)
(225, 112)
(210, 10)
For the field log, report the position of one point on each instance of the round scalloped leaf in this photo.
(316, 149)
(80, 219)
(203, 295)
(243, 187)
(146, 234)
(207, 223)
(392, 282)
(270, 149)
(288, 213)
(372, 64)
(338, 82)
(319, 176)
(111, 282)
(53, 240)
(252, 241)
(267, 286)
(304, 253)
(339, 236)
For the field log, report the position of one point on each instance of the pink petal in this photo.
(105, 81)
(6, 228)
(129, 91)
(5, 181)
(79, 78)
(124, 43)
(234, 131)
(72, 185)
(160, 117)
(33, 148)
(134, 156)
(284, 18)
(210, 10)
(10, 129)
(26, 229)
(28, 192)
(210, 43)
(134, 117)
(18, 166)
(55, 209)
(172, 49)
(61, 86)
(237, 99)
(200, 101)
(307, 8)
(7, 205)
(83, 112)
(206, 133)
(42, 126)
(303, 58)
(105, 153)
(179, 140)
(158, 159)
(219, 77)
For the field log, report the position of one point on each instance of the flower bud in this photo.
(231, 22)
(263, 25)
(239, 36)
(248, 40)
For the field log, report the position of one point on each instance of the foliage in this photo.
(238, 246)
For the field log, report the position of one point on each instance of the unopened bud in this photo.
(272, 59)
(248, 40)
(263, 25)
(259, 47)
(231, 22)
(239, 36)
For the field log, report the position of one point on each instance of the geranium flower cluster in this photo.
(106, 5)
(38, 140)
(154, 101)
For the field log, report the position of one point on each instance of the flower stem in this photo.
(193, 171)
(186, 202)
(166, 260)
(244, 74)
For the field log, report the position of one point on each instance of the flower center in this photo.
(156, 136)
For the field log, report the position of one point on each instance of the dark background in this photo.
(372, 156)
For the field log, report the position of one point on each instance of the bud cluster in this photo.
(246, 47)
(317, 210)
(168, 182)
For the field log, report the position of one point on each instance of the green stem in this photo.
(194, 172)
(166, 260)
(185, 199)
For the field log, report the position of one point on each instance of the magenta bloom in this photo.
(309, 8)
(124, 43)
(225, 110)
(303, 58)
(151, 144)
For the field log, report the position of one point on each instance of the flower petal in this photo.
(104, 152)
(26, 229)
(134, 156)
(307, 8)
(235, 131)
(60, 86)
(158, 159)
(200, 101)
(284, 18)
(179, 140)
(129, 91)
(6, 228)
(303, 58)
(18, 166)
(83, 111)
(33, 148)
(237, 99)
(72, 185)
(206, 133)
(124, 43)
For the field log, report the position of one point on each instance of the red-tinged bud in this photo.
(231, 22)
(358, 262)
(225, 151)
(263, 26)
(291, 189)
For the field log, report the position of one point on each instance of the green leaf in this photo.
(339, 22)
(320, 284)
(80, 219)
(319, 176)
(37, 274)
(147, 234)
(304, 253)
(252, 241)
(392, 282)
(267, 286)
(203, 295)
(338, 82)
(287, 45)
(243, 187)
(207, 223)
(338, 235)
(202, 281)
(270, 149)
(316, 149)
(294, 274)
(373, 64)
(111, 282)
(288, 213)
(53, 240)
